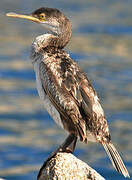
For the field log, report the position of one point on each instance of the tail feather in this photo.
(115, 159)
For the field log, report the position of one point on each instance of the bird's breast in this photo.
(44, 97)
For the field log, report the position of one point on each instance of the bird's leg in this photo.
(68, 146)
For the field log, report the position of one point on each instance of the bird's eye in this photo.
(42, 16)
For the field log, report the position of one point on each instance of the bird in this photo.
(66, 91)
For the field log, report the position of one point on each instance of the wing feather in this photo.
(64, 101)
(72, 94)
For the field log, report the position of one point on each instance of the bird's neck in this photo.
(43, 44)
(46, 42)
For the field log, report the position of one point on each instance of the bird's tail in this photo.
(115, 159)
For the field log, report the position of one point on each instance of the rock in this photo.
(65, 166)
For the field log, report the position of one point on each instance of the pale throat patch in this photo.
(52, 26)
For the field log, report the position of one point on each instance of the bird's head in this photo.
(51, 18)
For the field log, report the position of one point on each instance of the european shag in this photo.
(65, 90)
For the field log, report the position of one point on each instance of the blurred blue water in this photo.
(106, 29)
(22, 75)
(111, 75)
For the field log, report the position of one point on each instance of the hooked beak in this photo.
(29, 17)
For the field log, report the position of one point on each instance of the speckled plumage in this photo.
(72, 94)
(65, 90)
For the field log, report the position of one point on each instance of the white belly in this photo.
(47, 104)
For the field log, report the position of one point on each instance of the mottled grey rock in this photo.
(65, 166)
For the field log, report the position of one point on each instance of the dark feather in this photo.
(73, 96)
(116, 159)
(63, 101)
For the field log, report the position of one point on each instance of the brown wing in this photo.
(63, 101)
(81, 90)
(73, 96)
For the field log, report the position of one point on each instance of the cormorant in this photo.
(65, 90)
